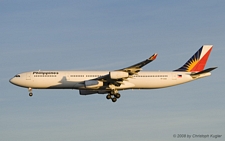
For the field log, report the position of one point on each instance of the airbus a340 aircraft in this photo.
(110, 82)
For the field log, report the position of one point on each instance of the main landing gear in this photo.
(30, 92)
(114, 95)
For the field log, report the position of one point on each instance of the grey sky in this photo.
(108, 35)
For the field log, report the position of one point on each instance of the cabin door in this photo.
(28, 76)
(174, 76)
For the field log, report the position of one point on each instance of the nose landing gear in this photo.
(30, 92)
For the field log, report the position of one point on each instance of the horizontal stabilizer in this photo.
(204, 71)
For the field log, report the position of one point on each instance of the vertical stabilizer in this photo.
(198, 61)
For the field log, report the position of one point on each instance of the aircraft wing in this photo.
(137, 67)
(116, 77)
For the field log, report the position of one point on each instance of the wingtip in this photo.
(153, 57)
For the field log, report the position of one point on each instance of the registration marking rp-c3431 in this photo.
(111, 82)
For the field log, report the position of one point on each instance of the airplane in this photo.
(111, 82)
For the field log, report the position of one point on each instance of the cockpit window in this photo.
(17, 75)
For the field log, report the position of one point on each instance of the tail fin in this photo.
(197, 62)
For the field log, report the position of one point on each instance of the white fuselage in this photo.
(75, 79)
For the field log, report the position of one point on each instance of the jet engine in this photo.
(93, 84)
(118, 74)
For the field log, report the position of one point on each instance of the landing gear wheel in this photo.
(113, 95)
(30, 94)
(117, 95)
(108, 96)
(114, 99)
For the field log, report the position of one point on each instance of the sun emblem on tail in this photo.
(191, 64)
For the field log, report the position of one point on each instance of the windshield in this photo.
(17, 75)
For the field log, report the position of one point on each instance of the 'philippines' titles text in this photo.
(45, 73)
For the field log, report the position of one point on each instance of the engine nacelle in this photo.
(93, 84)
(118, 74)
(89, 92)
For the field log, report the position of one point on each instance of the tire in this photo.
(117, 95)
(114, 99)
(30, 94)
(108, 96)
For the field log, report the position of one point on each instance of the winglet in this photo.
(153, 57)
(198, 61)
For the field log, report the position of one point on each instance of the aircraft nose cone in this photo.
(11, 80)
